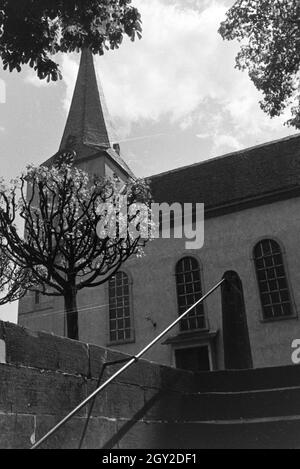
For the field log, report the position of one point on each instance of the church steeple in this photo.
(88, 122)
(89, 130)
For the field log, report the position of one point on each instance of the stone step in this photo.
(245, 380)
(283, 433)
(241, 405)
(255, 434)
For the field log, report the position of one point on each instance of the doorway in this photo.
(193, 358)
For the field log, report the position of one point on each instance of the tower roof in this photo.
(89, 130)
(88, 121)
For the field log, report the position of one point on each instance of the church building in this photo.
(252, 230)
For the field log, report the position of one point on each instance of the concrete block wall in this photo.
(43, 377)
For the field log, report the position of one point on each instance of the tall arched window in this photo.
(37, 298)
(272, 281)
(189, 290)
(120, 328)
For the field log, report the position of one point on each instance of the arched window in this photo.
(120, 329)
(272, 281)
(37, 298)
(189, 290)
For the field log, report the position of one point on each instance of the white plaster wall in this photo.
(229, 241)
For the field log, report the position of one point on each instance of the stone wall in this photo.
(150, 406)
(43, 377)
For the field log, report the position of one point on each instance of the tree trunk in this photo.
(71, 314)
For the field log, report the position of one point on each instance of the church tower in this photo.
(89, 133)
(89, 130)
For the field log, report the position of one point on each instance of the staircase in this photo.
(150, 406)
(244, 409)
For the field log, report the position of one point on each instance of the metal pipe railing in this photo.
(124, 368)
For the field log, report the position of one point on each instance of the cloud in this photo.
(221, 142)
(32, 79)
(166, 73)
(181, 72)
(203, 135)
(2, 91)
(69, 71)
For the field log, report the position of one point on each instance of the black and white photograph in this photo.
(149, 227)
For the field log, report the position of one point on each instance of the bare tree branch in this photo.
(61, 252)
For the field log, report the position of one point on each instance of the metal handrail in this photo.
(124, 368)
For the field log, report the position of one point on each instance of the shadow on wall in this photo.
(237, 349)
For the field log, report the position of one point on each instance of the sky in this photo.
(174, 96)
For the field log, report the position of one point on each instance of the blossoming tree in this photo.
(63, 251)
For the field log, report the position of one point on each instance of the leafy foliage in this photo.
(33, 30)
(61, 252)
(14, 281)
(269, 32)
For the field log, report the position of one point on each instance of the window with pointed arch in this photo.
(120, 324)
(272, 281)
(189, 290)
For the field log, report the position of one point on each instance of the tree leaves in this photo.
(13, 280)
(33, 30)
(269, 32)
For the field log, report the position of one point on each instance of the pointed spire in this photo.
(88, 122)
